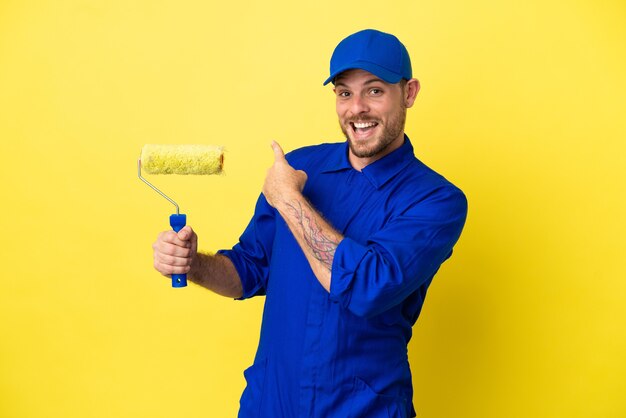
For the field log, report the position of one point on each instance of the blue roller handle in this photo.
(177, 223)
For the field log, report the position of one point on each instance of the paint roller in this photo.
(179, 159)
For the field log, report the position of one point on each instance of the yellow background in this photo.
(522, 105)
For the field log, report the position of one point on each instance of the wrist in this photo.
(288, 200)
(196, 264)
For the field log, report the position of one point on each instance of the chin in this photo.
(366, 151)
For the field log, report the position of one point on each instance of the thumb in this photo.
(278, 151)
(186, 233)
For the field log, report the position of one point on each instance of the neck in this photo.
(359, 163)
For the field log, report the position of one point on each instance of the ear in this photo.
(410, 91)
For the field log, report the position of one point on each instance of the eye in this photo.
(376, 92)
(343, 93)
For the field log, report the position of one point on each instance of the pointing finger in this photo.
(278, 151)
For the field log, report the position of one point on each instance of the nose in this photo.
(359, 105)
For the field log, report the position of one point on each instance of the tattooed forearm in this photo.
(321, 245)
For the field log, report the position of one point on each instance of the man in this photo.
(344, 243)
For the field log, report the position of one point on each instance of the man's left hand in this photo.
(282, 180)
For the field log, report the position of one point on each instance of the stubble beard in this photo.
(390, 133)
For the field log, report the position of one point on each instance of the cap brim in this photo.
(380, 72)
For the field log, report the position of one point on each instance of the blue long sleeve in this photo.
(251, 256)
(370, 279)
(344, 353)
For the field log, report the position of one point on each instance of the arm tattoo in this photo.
(322, 246)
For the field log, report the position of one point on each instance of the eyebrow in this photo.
(374, 80)
(370, 81)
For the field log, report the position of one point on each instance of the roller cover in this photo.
(182, 159)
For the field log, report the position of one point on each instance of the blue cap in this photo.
(376, 52)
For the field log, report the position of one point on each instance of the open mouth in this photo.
(363, 127)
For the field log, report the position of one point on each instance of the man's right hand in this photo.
(175, 252)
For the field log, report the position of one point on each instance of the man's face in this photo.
(371, 114)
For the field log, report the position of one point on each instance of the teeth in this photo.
(363, 125)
